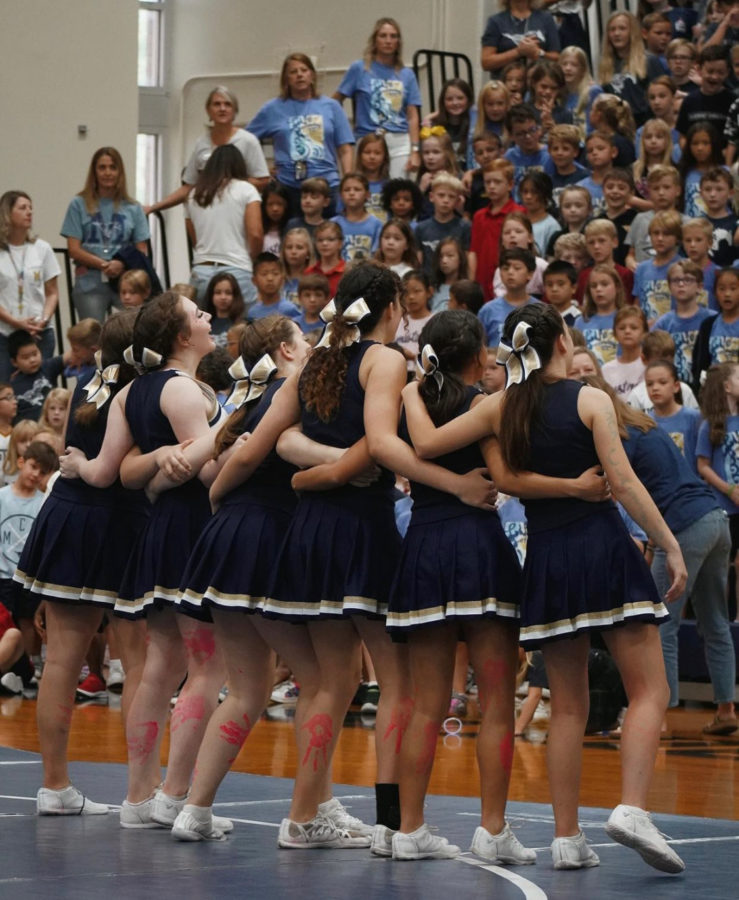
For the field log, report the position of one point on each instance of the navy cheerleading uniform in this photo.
(82, 537)
(154, 572)
(455, 562)
(582, 570)
(232, 563)
(341, 549)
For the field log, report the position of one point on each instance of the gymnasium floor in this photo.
(88, 856)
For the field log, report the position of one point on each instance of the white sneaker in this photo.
(503, 848)
(337, 813)
(286, 692)
(573, 853)
(633, 827)
(422, 844)
(67, 802)
(188, 826)
(165, 809)
(116, 676)
(12, 683)
(319, 832)
(138, 815)
(382, 841)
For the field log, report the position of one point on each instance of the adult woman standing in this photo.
(100, 221)
(28, 278)
(386, 96)
(310, 133)
(222, 106)
(518, 32)
(224, 222)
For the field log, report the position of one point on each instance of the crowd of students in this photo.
(542, 231)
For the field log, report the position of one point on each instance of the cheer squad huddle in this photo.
(530, 297)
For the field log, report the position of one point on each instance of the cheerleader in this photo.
(74, 559)
(458, 577)
(162, 407)
(582, 570)
(341, 548)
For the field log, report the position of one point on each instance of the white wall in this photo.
(64, 64)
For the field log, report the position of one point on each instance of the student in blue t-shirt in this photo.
(718, 439)
(269, 277)
(685, 280)
(386, 97)
(604, 295)
(651, 289)
(663, 388)
(527, 154)
(718, 337)
(516, 267)
(600, 151)
(361, 229)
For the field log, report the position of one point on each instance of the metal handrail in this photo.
(441, 59)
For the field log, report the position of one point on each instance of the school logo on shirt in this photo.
(357, 246)
(684, 343)
(723, 348)
(386, 101)
(102, 233)
(731, 457)
(14, 531)
(517, 534)
(655, 297)
(694, 205)
(678, 439)
(602, 342)
(306, 137)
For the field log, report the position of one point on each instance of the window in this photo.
(151, 15)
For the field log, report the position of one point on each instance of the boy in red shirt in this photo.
(487, 223)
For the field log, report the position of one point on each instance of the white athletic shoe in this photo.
(165, 810)
(337, 813)
(319, 832)
(188, 826)
(573, 853)
(67, 802)
(116, 676)
(422, 844)
(382, 841)
(633, 827)
(138, 815)
(503, 848)
(12, 683)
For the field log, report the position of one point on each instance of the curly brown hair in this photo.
(324, 376)
(714, 404)
(260, 337)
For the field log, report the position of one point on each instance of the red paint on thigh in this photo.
(233, 733)
(428, 751)
(399, 720)
(506, 752)
(200, 644)
(320, 728)
(188, 708)
(141, 740)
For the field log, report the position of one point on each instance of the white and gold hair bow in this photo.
(250, 384)
(428, 364)
(149, 359)
(99, 388)
(520, 359)
(354, 313)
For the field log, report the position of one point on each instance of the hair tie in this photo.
(99, 388)
(249, 385)
(353, 314)
(520, 359)
(428, 365)
(149, 359)
(431, 131)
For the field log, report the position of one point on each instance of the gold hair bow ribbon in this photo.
(354, 313)
(520, 359)
(428, 365)
(150, 359)
(99, 388)
(249, 385)
(431, 131)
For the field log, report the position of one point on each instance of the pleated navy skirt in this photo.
(587, 575)
(461, 567)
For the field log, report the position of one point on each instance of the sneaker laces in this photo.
(322, 827)
(342, 818)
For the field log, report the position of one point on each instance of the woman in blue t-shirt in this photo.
(101, 221)
(386, 96)
(310, 133)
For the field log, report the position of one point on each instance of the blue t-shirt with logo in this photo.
(599, 336)
(525, 163)
(682, 427)
(724, 459)
(651, 289)
(381, 96)
(684, 332)
(494, 313)
(17, 515)
(723, 342)
(361, 239)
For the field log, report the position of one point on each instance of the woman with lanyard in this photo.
(100, 221)
(310, 133)
(519, 31)
(221, 106)
(386, 97)
(28, 278)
